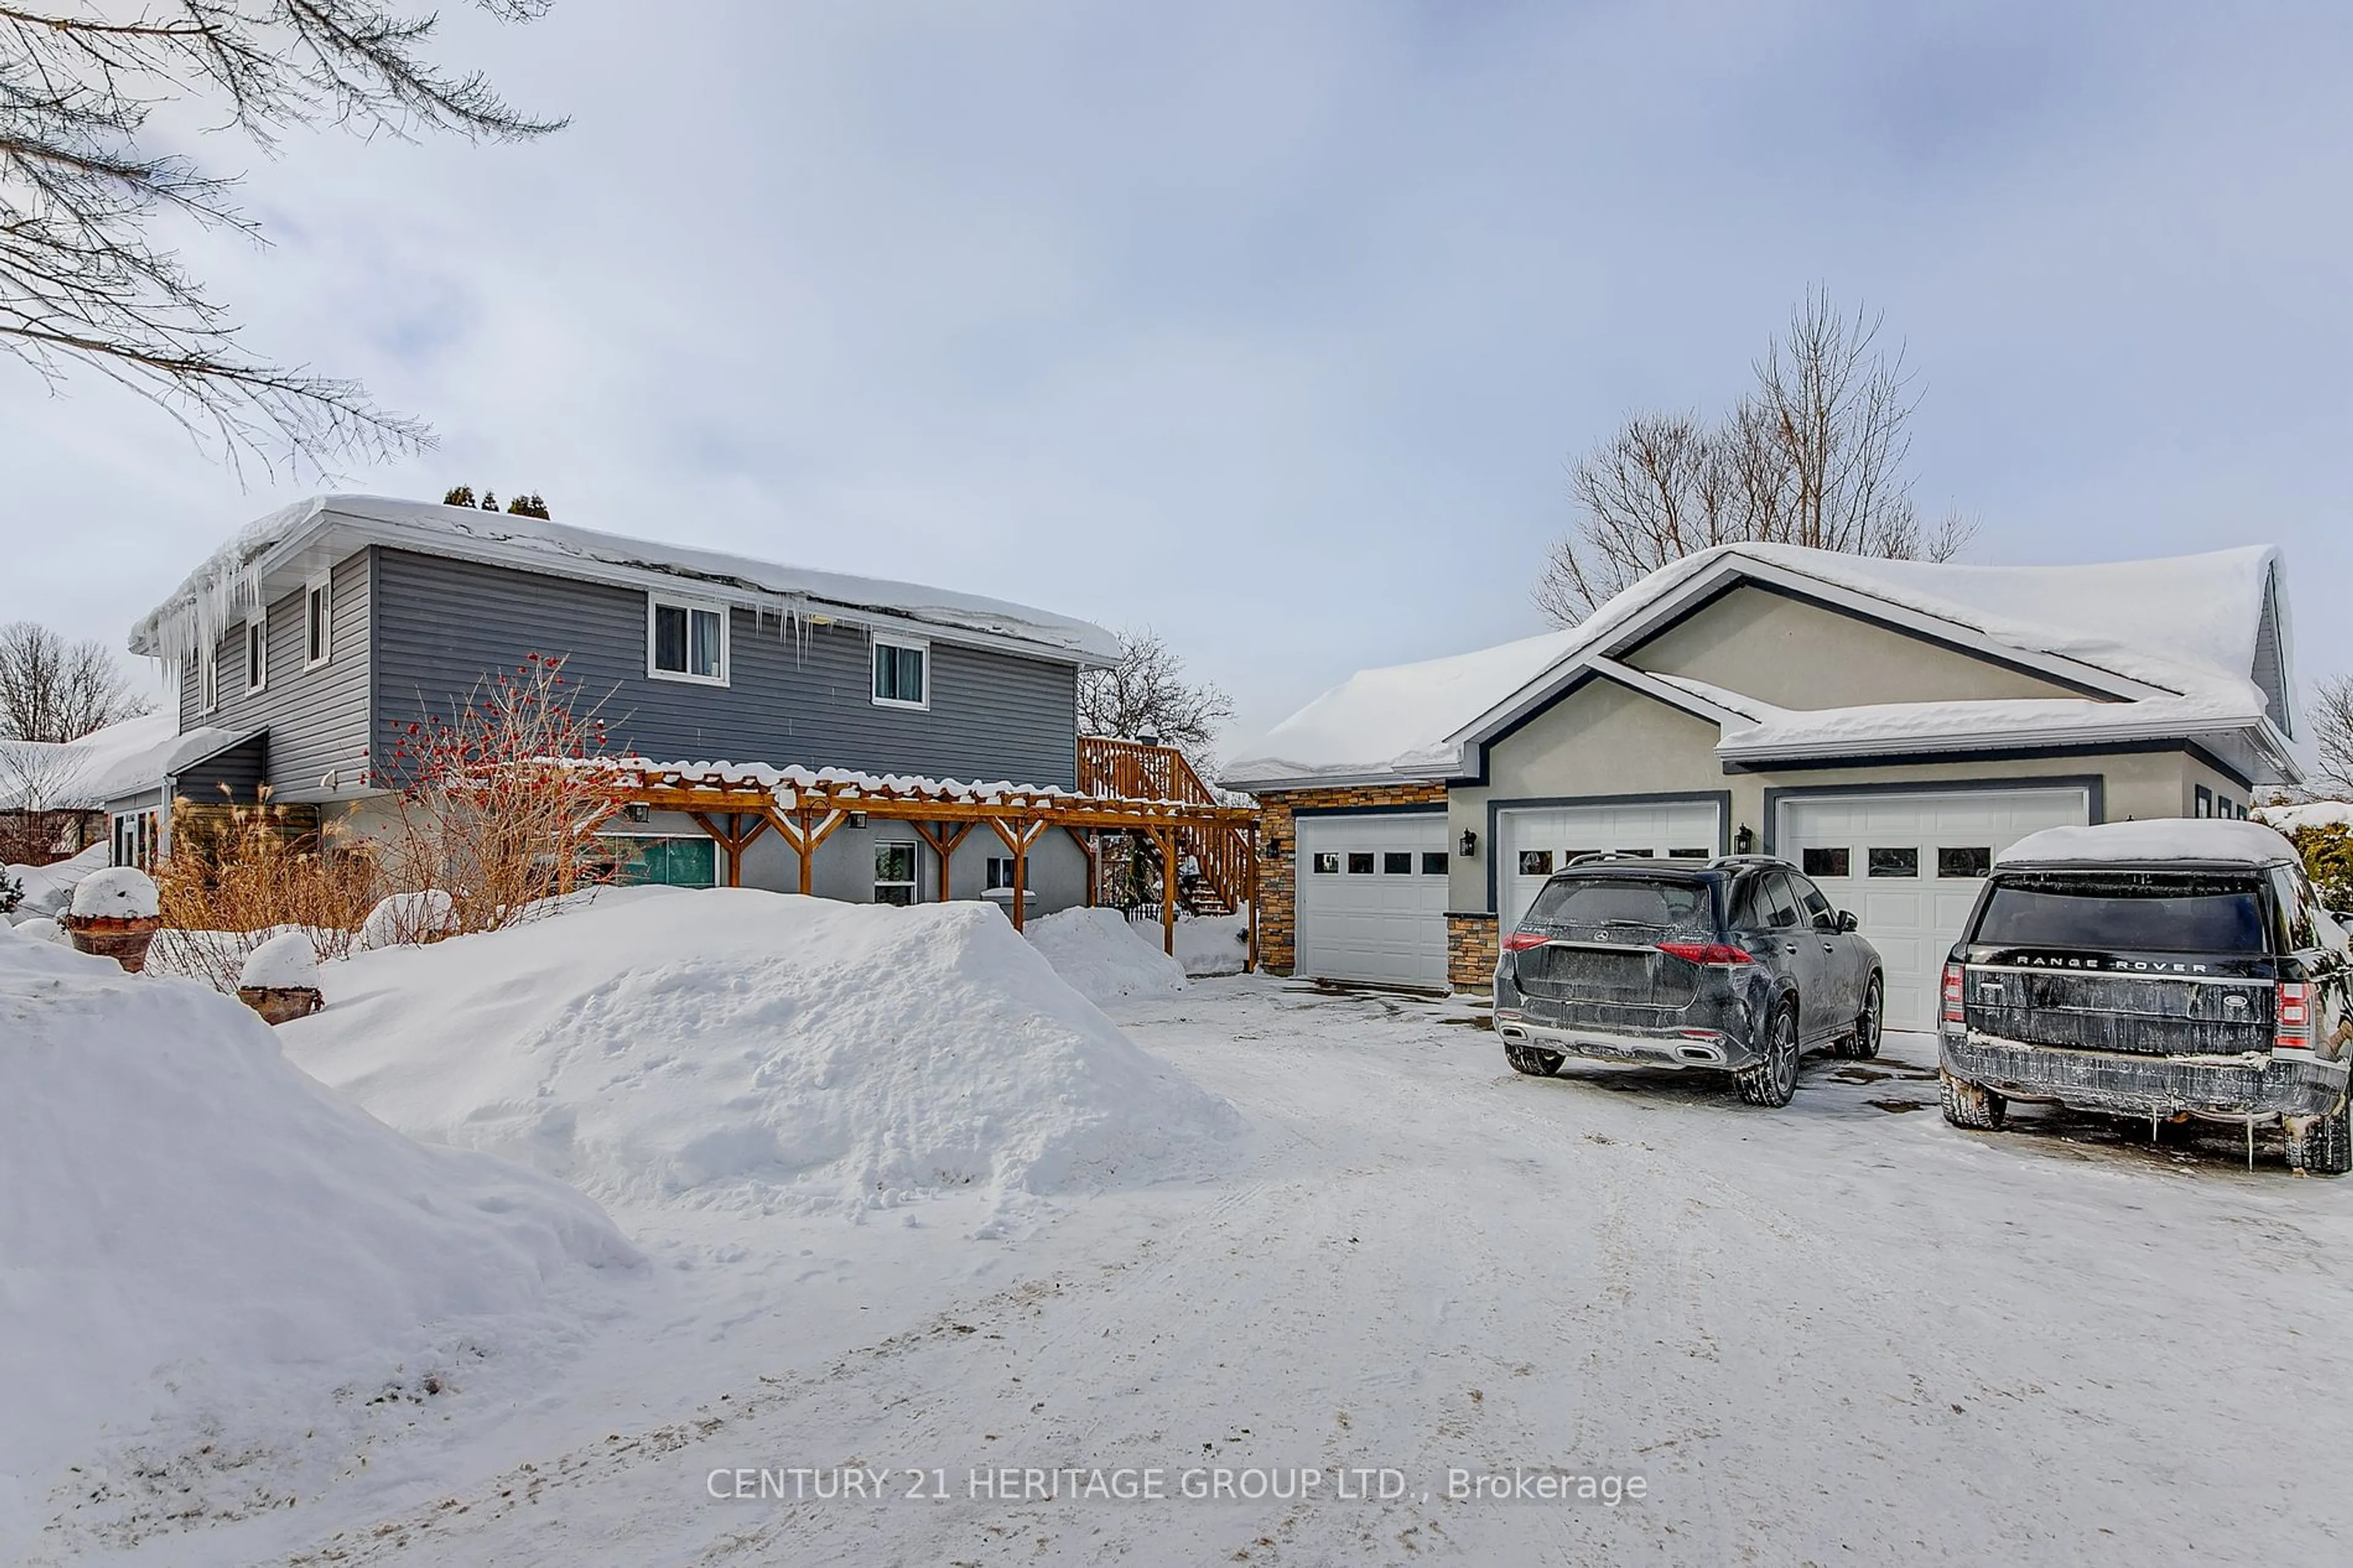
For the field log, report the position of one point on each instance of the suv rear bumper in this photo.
(1676, 1048)
(2232, 1089)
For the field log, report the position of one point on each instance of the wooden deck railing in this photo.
(1133, 771)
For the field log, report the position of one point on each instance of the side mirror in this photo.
(1846, 921)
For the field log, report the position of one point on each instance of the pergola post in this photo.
(1167, 838)
(944, 845)
(1018, 838)
(732, 841)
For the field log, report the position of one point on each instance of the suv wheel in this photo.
(1532, 1061)
(2325, 1147)
(1774, 1080)
(1863, 1044)
(1968, 1105)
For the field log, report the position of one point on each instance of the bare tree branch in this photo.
(53, 692)
(1146, 694)
(80, 281)
(1814, 455)
(2331, 712)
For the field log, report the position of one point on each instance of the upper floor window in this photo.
(902, 673)
(208, 682)
(318, 622)
(686, 640)
(257, 655)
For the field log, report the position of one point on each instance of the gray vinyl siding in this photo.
(241, 769)
(795, 695)
(317, 719)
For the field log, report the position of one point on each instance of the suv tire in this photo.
(2327, 1147)
(1968, 1105)
(1773, 1081)
(1532, 1061)
(1863, 1044)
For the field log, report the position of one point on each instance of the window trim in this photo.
(257, 670)
(899, 640)
(208, 682)
(319, 591)
(915, 882)
(657, 599)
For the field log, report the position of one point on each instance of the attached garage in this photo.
(1909, 864)
(1534, 841)
(1372, 898)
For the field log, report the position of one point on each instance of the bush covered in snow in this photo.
(737, 1047)
(181, 1209)
(404, 919)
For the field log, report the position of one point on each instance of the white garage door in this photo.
(1910, 866)
(1372, 900)
(1536, 841)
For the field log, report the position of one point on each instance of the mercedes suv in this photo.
(1738, 964)
(2157, 969)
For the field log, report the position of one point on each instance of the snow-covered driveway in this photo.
(1838, 1333)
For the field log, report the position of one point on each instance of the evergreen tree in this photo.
(459, 495)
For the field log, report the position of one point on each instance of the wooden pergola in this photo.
(736, 807)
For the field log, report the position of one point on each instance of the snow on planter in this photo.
(402, 920)
(746, 1049)
(203, 1246)
(285, 962)
(119, 893)
(1102, 958)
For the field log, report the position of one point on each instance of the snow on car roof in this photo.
(2207, 841)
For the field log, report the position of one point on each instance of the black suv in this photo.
(2156, 969)
(1738, 964)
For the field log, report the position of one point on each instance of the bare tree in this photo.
(1145, 693)
(80, 278)
(1814, 455)
(54, 691)
(2331, 712)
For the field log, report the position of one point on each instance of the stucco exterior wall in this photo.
(1798, 655)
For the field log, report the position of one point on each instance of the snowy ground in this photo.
(1838, 1333)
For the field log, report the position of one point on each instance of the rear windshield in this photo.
(2127, 911)
(1638, 906)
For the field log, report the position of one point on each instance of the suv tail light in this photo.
(1705, 952)
(1954, 1012)
(1521, 940)
(2292, 1015)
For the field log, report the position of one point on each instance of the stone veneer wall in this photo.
(1278, 927)
(1471, 951)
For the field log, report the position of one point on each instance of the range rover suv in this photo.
(2155, 969)
(1738, 964)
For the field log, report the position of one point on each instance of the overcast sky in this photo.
(1273, 326)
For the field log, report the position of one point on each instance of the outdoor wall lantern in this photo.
(1274, 848)
(640, 811)
(856, 819)
(1744, 842)
(1470, 842)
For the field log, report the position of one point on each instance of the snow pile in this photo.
(1103, 958)
(2154, 838)
(40, 928)
(284, 962)
(49, 889)
(119, 893)
(733, 1049)
(180, 1208)
(401, 919)
(2311, 814)
(1210, 944)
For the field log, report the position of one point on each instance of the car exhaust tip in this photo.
(1703, 1054)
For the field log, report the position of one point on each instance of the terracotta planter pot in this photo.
(109, 936)
(281, 1003)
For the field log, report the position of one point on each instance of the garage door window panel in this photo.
(1536, 862)
(1970, 860)
(1828, 862)
(1896, 862)
(1327, 864)
(1397, 863)
(1360, 863)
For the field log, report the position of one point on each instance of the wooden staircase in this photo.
(1216, 871)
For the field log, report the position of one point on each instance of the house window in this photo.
(1828, 863)
(1433, 862)
(2205, 800)
(1360, 862)
(318, 624)
(1000, 871)
(257, 655)
(1327, 863)
(656, 860)
(894, 874)
(1974, 860)
(1903, 862)
(686, 641)
(208, 682)
(1397, 863)
(899, 673)
(1536, 862)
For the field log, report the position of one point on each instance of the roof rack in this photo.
(1780, 860)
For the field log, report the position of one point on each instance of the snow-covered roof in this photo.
(785, 783)
(272, 553)
(2163, 648)
(107, 764)
(2204, 840)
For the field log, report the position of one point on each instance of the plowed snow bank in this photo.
(738, 1048)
